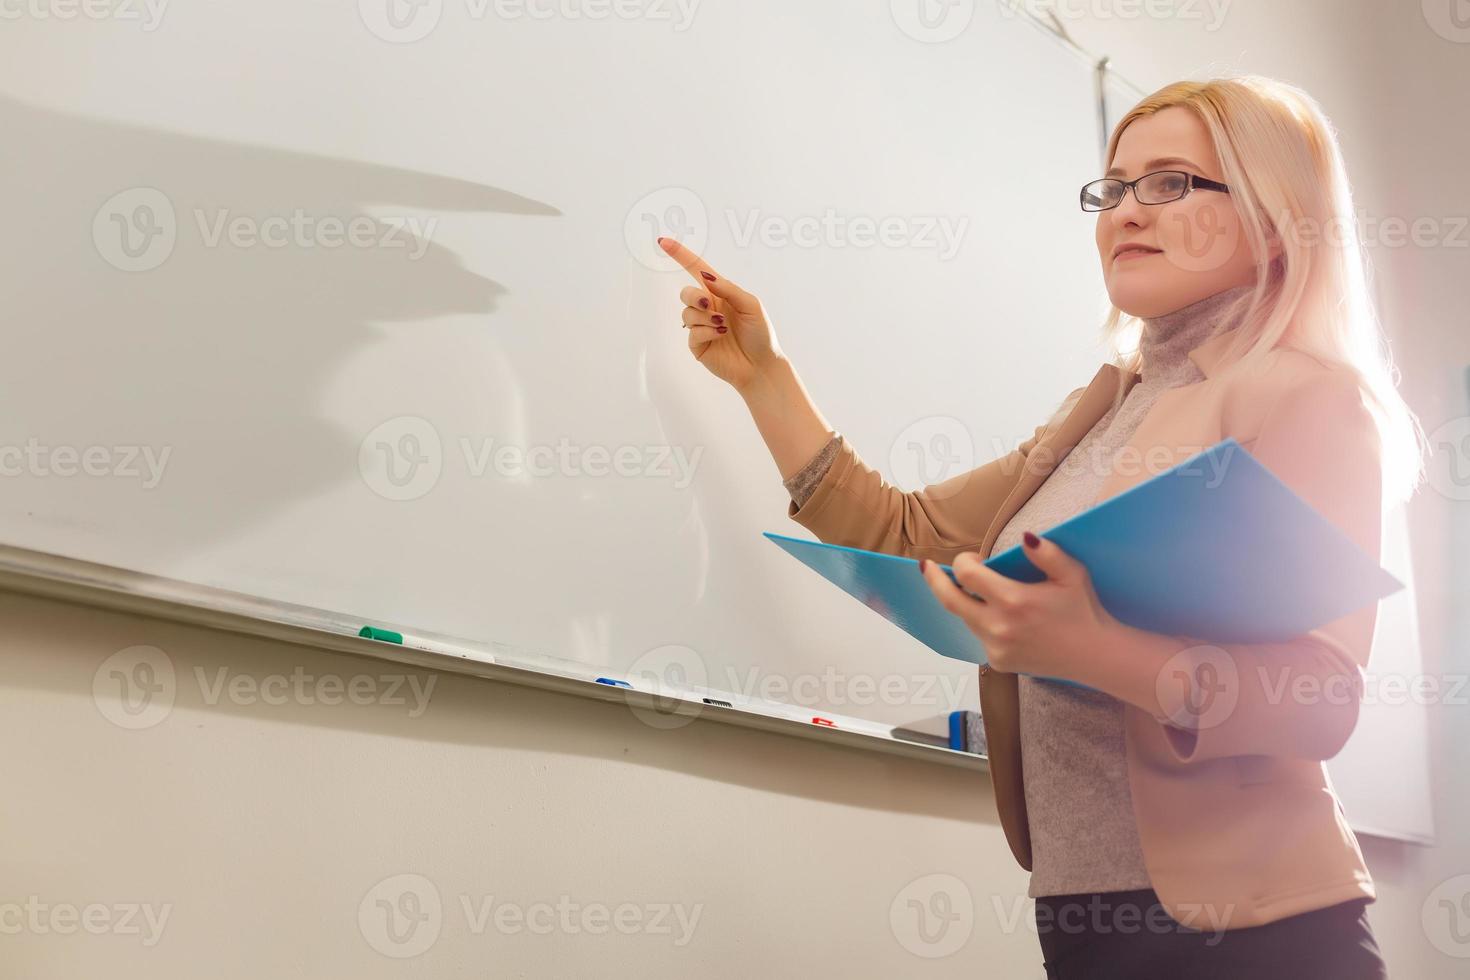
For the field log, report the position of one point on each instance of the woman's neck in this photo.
(1166, 340)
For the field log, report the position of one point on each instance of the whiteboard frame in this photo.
(58, 577)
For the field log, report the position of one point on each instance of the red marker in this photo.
(824, 721)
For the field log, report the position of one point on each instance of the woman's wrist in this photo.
(766, 383)
(1129, 664)
(789, 422)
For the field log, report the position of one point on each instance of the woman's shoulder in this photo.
(1292, 370)
(1292, 387)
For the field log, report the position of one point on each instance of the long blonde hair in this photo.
(1280, 156)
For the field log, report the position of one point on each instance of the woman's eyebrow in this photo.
(1153, 164)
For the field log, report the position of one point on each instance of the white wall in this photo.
(258, 828)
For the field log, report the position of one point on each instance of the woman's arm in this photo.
(853, 505)
(1295, 698)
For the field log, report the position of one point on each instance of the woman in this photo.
(1177, 818)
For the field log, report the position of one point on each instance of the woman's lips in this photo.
(1133, 253)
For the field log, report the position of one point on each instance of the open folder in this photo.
(1216, 548)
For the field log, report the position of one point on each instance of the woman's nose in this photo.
(1129, 211)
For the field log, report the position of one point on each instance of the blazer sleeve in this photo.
(854, 506)
(1300, 698)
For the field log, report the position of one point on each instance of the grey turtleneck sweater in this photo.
(1083, 834)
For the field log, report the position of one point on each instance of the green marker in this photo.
(428, 646)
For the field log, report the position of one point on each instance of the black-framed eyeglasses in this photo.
(1159, 187)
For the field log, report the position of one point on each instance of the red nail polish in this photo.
(721, 329)
(707, 276)
(718, 318)
(703, 303)
(1032, 541)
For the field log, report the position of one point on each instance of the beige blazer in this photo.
(1238, 821)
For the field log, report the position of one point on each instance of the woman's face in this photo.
(1198, 242)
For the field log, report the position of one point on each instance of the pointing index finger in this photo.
(690, 260)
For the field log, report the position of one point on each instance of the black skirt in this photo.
(1128, 934)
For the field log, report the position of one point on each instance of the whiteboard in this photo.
(482, 420)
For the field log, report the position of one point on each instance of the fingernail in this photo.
(660, 240)
(703, 303)
(707, 276)
(721, 329)
(923, 564)
(718, 318)
(1032, 541)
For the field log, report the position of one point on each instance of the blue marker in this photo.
(613, 682)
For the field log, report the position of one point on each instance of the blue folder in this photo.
(1216, 548)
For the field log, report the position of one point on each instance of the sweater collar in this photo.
(1202, 331)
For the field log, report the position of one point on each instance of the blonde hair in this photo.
(1280, 156)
